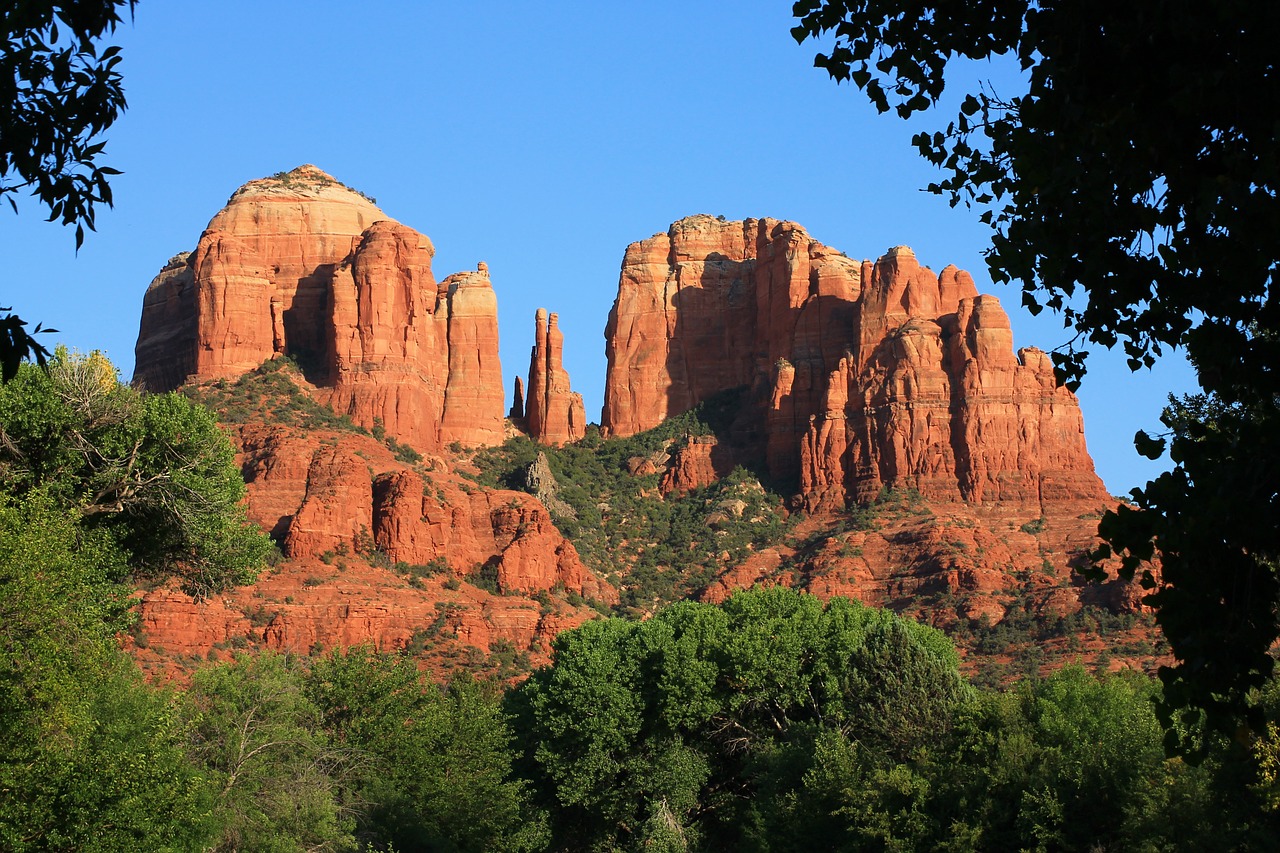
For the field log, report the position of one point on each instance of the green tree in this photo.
(1132, 187)
(663, 733)
(90, 757)
(153, 470)
(263, 744)
(435, 765)
(1073, 762)
(58, 93)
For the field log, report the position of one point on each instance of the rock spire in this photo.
(554, 413)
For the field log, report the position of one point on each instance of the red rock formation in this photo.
(698, 462)
(508, 532)
(298, 264)
(337, 509)
(713, 305)
(516, 412)
(345, 509)
(305, 605)
(395, 377)
(859, 376)
(341, 492)
(554, 413)
(979, 558)
(947, 408)
(473, 396)
(168, 324)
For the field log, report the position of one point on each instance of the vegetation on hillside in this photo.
(656, 550)
(272, 394)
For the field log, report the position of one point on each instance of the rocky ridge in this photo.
(860, 376)
(375, 550)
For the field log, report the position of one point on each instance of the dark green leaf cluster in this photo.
(354, 751)
(1136, 174)
(90, 758)
(16, 344)
(1213, 521)
(674, 723)
(773, 722)
(58, 93)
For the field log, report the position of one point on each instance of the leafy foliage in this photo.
(1159, 222)
(16, 343)
(437, 761)
(282, 781)
(1212, 520)
(1133, 188)
(90, 758)
(154, 471)
(62, 93)
(689, 707)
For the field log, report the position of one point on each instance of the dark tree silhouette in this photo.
(58, 93)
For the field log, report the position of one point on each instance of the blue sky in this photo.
(540, 138)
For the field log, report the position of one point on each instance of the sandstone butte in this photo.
(860, 375)
(300, 265)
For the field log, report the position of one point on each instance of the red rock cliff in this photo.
(860, 375)
(298, 264)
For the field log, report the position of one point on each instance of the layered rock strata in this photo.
(554, 413)
(302, 266)
(860, 375)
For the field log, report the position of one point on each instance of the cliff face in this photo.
(299, 265)
(342, 493)
(860, 375)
